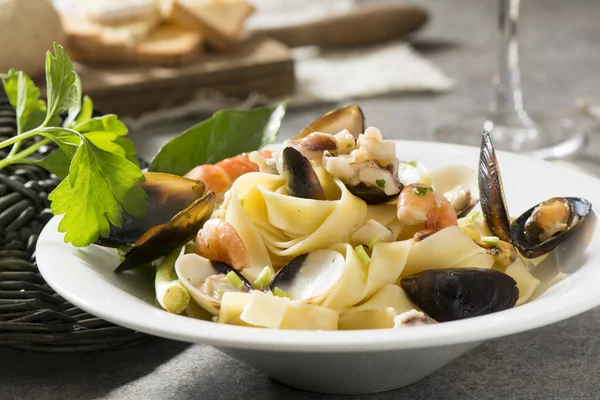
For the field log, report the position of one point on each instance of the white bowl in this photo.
(352, 361)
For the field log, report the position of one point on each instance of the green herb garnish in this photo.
(472, 217)
(100, 174)
(280, 293)
(362, 254)
(372, 243)
(226, 134)
(264, 278)
(235, 280)
(380, 183)
(492, 240)
(349, 145)
(421, 190)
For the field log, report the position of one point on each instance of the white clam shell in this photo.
(192, 271)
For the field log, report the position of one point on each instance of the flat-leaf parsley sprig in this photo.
(100, 173)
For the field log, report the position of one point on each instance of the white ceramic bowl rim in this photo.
(139, 315)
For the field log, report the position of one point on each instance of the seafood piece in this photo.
(453, 294)
(503, 252)
(161, 240)
(418, 204)
(314, 145)
(167, 195)
(218, 241)
(310, 277)
(370, 171)
(301, 179)
(207, 280)
(458, 184)
(220, 176)
(350, 117)
(412, 318)
(493, 203)
(371, 233)
(543, 227)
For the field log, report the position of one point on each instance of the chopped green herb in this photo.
(372, 243)
(412, 162)
(264, 278)
(362, 254)
(235, 280)
(219, 292)
(242, 202)
(490, 240)
(380, 183)
(473, 216)
(421, 190)
(349, 145)
(122, 250)
(280, 293)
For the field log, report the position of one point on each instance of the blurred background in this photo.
(413, 67)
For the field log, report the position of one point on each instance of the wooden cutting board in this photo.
(262, 63)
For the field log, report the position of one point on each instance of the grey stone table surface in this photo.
(560, 59)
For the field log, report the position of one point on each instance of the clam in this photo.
(493, 203)
(310, 277)
(207, 280)
(301, 179)
(350, 117)
(458, 293)
(543, 227)
(160, 240)
(458, 184)
(167, 195)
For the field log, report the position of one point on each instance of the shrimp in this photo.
(419, 204)
(219, 241)
(219, 177)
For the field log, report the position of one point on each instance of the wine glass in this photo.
(513, 129)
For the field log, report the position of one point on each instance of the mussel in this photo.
(207, 280)
(160, 240)
(167, 195)
(543, 227)
(301, 179)
(310, 277)
(491, 190)
(458, 293)
(350, 117)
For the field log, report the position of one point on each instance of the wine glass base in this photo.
(541, 135)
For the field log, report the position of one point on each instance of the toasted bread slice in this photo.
(222, 22)
(167, 45)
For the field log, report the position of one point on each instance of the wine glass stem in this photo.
(507, 101)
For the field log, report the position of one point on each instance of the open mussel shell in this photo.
(371, 194)
(491, 191)
(459, 293)
(193, 271)
(301, 179)
(167, 195)
(531, 248)
(310, 277)
(350, 117)
(160, 240)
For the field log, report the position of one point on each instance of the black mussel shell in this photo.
(459, 293)
(167, 195)
(162, 239)
(371, 194)
(491, 191)
(528, 248)
(350, 117)
(301, 179)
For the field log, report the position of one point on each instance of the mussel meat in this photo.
(350, 117)
(160, 240)
(310, 277)
(493, 202)
(543, 227)
(458, 293)
(502, 252)
(301, 179)
(167, 195)
(412, 318)
(207, 280)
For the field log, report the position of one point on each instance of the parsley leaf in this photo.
(380, 183)
(421, 190)
(62, 92)
(100, 186)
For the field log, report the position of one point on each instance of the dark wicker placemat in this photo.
(32, 316)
